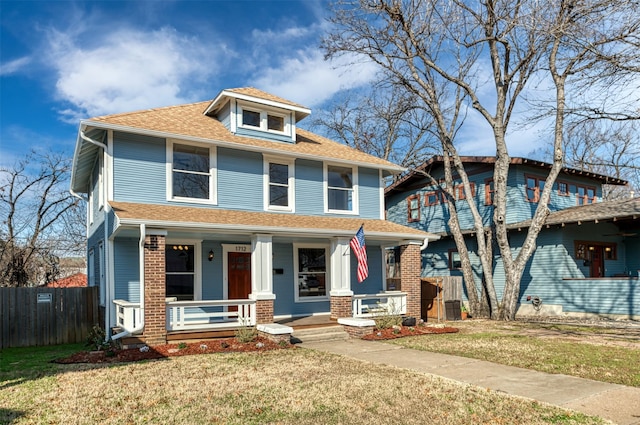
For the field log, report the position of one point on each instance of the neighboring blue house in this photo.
(225, 213)
(587, 259)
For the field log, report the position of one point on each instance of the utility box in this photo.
(452, 310)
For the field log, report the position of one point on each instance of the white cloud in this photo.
(128, 70)
(310, 80)
(14, 66)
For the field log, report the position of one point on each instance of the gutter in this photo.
(140, 327)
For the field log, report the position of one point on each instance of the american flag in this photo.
(359, 248)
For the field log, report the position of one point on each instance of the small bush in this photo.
(246, 334)
(96, 339)
(182, 345)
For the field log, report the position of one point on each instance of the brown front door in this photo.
(597, 263)
(239, 274)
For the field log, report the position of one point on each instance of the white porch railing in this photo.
(128, 315)
(371, 305)
(198, 315)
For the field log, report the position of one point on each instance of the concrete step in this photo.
(325, 333)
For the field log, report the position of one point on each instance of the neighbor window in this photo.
(341, 195)
(535, 185)
(586, 195)
(430, 198)
(311, 272)
(180, 271)
(413, 208)
(489, 189)
(192, 174)
(279, 181)
(454, 260)
(563, 188)
(460, 190)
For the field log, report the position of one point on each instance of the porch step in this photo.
(325, 333)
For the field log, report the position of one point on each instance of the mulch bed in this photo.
(222, 345)
(402, 331)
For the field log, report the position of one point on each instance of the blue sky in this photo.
(63, 61)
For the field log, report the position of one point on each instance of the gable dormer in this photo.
(254, 113)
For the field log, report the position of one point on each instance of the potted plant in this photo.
(464, 313)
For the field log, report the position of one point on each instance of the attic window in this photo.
(275, 123)
(251, 118)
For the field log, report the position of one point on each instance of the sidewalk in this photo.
(617, 403)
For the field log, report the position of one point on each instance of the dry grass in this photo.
(606, 355)
(286, 387)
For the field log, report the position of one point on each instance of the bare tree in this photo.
(386, 122)
(39, 219)
(455, 56)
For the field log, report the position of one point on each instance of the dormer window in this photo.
(253, 117)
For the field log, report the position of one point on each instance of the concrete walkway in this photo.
(617, 403)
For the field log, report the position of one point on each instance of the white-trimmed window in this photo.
(182, 265)
(279, 181)
(191, 172)
(311, 264)
(341, 189)
(269, 120)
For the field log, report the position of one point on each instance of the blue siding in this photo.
(139, 168)
(224, 115)
(240, 180)
(258, 134)
(632, 244)
(309, 187)
(619, 296)
(212, 285)
(126, 274)
(375, 282)
(369, 192)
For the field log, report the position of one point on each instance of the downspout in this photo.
(425, 244)
(140, 326)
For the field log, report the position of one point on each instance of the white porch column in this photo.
(262, 268)
(340, 268)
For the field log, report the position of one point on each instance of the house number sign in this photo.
(241, 248)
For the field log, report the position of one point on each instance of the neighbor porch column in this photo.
(410, 273)
(262, 277)
(341, 295)
(155, 323)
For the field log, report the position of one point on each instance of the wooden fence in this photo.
(46, 316)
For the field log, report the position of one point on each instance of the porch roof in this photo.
(221, 220)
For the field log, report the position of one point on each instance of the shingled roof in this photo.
(211, 219)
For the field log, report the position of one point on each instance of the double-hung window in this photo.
(181, 265)
(535, 185)
(279, 184)
(586, 195)
(413, 208)
(192, 175)
(341, 192)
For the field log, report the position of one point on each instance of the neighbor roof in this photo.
(435, 160)
(210, 219)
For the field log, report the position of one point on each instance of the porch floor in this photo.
(304, 322)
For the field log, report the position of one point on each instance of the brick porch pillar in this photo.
(410, 272)
(264, 311)
(155, 326)
(341, 307)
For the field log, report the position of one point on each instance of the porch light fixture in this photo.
(608, 249)
(210, 256)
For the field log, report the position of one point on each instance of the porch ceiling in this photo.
(245, 222)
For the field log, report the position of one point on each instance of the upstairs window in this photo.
(460, 190)
(535, 185)
(192, 173)
(271, 121)
(275, 123)
(413, 208)
(430, 198)
(489, 189)
(563, 188)
(250, 118)
(341, 189)
(586, 195)
(279, 180)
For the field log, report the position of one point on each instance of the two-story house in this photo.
(225, 213)
(587, 258)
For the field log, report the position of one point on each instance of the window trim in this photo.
(213, 173)
(327, 264)
(560, 192)
(488, 192)
(460, 191)
(354, 187)
(197, 263)
(434, 194)
(290, 163)
(410, 218)
(585, 197)
(264, 118)
(536, 195)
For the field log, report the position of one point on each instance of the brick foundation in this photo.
(410, 272)
(357, 331)
(341, 307)
(155, 324)
(264, 311)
